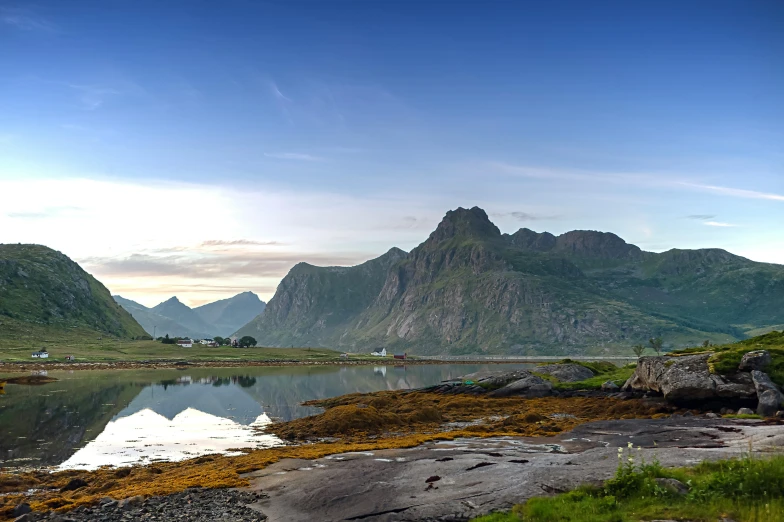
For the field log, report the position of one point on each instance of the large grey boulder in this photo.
(768, 394)
(496, 379)
(756, 360)
(769, 403)
(762, 382)
(529, 387)
(567, 372)
(687, 379)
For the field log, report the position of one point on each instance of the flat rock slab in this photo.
(461, 479)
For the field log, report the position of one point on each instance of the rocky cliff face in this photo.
(469, 288)
(313, 305)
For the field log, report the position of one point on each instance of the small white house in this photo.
(43, 354)
(207, 341)
(185, 343)
(382, 353)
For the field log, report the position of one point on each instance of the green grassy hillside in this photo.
(42, 286)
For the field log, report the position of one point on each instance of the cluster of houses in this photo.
(188, 343)
(43, 354)
(383, 353)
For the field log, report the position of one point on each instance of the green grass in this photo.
(18, 339)
(746, 490)
(43, 286)
(603, 371)
(727, 357)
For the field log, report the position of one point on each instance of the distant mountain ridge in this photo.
(174, 318)
(43, 286)
(228, 315)
(471, 289)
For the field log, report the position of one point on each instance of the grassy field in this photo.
(603, 372)
(18, 340)
(746, 490)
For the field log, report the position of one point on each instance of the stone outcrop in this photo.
(610, 386)
(756, 360)
(770, 397)
(495, 379)
(529, 387)
(688, 379)
(516, 383)
(565, 372)
(769, 403)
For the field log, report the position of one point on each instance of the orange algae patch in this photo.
(357, 416)
(383, 420)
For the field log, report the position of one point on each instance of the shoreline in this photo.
(16, 367)
(403, 434)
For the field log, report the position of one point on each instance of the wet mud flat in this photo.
(465, 478)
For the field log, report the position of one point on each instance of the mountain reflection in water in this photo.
(92, 418)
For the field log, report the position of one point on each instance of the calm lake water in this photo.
(93, 418)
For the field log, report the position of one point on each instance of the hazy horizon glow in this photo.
(206, 153)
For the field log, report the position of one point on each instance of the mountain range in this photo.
(471, 289)
(176, 319)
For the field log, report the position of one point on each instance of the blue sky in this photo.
(211, 145)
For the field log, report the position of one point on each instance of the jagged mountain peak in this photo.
(395, 252)
(469, 223)
(527, 239)
(468, 288)
(591, 243)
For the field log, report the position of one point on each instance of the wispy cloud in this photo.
(231, 265)
(92, 97)
(701, 217)
(296, 156)
(646, 180)
(276, 92)
(239, 242)
(521, 216)
(735, 192)
(45, 213)
(718, 224)
(25, 20)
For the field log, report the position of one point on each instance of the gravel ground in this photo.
(191, 505)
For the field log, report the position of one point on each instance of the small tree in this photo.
(638, 349)
(706, 343)
(656, 344)
(247, 341)
(218, 340)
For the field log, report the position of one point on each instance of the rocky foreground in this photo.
(196, 504)
(443, 480)
(461, 479)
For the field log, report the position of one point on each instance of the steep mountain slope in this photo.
(153, 323)
(313, 305)
(227, 315)
(41, 285)
(469, 288)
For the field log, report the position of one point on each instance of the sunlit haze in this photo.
(201, 149)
